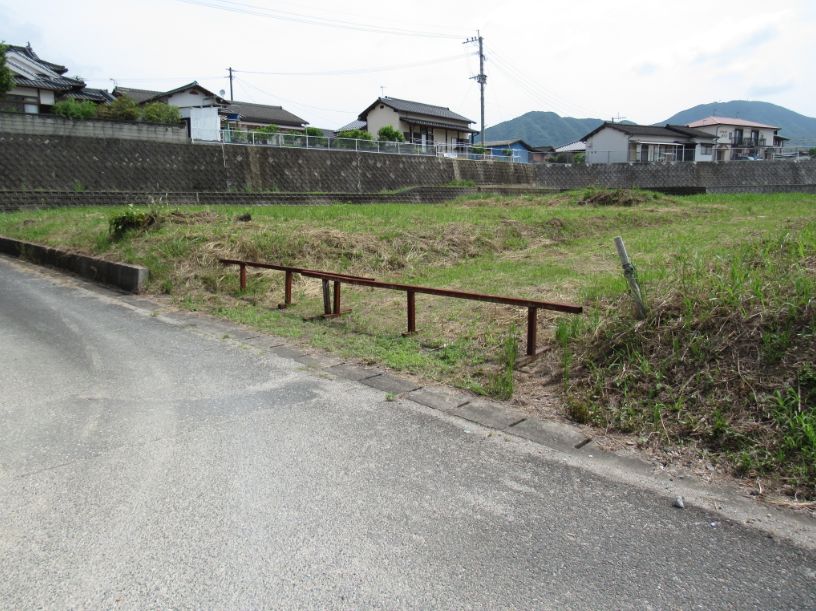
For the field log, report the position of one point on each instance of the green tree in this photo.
(812, 152)
(159, 112)
(388, 134)
(6, 77)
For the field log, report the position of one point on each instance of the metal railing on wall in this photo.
(300, 140)
(685, 156)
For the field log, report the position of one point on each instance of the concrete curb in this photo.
(130, 278)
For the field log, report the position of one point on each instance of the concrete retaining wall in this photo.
(130, 278)
(31, 163)
(52, 125)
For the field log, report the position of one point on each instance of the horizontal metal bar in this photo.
(297, 270)
(427, 290)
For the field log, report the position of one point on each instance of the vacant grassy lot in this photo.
(722, 366)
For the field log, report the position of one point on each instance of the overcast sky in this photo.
(643, 60)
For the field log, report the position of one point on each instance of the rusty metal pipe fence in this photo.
(332, 302)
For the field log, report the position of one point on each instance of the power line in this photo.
(357, 70)
(295, 102)
(535, 90)
(279, 15)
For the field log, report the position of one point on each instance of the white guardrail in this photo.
(295, 140)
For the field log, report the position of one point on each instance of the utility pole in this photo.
(480, 78)
(230, 78)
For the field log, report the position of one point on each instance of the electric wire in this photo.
(431, 62)
(279, 15)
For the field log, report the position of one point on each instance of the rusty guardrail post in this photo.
(411, 312)
(337, 298)
(287, 292)
(326, 298)
(532, 331)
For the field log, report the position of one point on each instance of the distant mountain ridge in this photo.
(539, 128)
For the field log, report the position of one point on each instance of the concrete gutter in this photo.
(129, 278)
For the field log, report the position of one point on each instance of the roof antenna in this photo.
(382, 91)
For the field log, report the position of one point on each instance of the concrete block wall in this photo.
(761, 176)
(52, 125)
(66, 163)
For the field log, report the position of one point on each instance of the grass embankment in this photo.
(722, 365)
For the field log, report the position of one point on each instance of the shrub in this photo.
(122, 108)
(75, 109)
(159, 112)
(316, 137)
(477, 150)
(269, 129)
(355, 134)
(388, 134)
(812, 152)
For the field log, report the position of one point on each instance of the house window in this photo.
(706, 149)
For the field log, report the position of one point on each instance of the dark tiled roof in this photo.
(261, 113)
(138, 95)
(53, 84)
(353, 125)
(669, 131)
(100, 96)
(29, 53)
(440, 123)
(494, 143)
(417, 108)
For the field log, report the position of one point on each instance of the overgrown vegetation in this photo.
(721, 369)
(724, 361)
(6, 77)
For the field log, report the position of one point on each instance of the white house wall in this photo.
(184, 99)
(607, 146)
(378, 118)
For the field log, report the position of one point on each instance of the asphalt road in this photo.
(146, 464)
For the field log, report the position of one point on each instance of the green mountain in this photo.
(547, 128)
(800, 129)
(542, 128)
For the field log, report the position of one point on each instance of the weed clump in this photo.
(616, 197)
(724, 361)
(133, 220)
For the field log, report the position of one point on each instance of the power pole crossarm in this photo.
(480, 78)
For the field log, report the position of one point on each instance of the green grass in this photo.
(708, 265)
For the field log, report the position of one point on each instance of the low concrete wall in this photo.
(130, 278)
(52, 125)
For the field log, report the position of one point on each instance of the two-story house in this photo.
(420, 123)
(740, 138)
